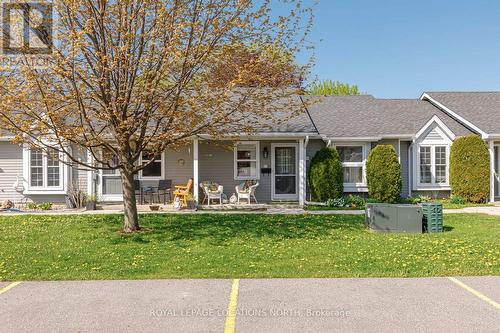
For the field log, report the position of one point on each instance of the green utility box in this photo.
(433, 216)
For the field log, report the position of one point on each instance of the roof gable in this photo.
(365, 116)
(480, 111)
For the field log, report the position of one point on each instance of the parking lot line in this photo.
(9, 287)
(475, 292)
(231, 308)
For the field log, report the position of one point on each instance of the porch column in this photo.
(491, 149)
(302, 172)
(90, 175)
(196, 181)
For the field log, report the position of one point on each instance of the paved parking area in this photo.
(260, 305)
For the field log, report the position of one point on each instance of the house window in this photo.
(425, 165)
(45, 169)
(433, 165)
(246, 160)
(153, 170)
(352, 158)
(440, 160)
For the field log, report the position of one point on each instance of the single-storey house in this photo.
(421, 130)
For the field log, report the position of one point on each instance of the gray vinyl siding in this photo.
(405, 168)
(393, 142)
(11, 166)
(177, 164)
(216, 163)
(79, 177)
(176, 171)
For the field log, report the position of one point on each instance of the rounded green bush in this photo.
(325, 175)
(470, 169)
(383, 173)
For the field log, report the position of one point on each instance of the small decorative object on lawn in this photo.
(177, 203)
(233, 198)
(7, 204)
(154, 207)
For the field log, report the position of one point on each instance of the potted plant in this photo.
(154, 208)
(190, 202)
(91, 202)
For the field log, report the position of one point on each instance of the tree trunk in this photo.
(131, 219)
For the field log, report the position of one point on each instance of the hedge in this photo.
(470, 169)
(383, 173)
(325, 175)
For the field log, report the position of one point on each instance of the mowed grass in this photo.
(244, 246)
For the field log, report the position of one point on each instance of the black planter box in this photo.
(91, 205)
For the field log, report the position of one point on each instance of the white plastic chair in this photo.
(248, 193)
(212, 195)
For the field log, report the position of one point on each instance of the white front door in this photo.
(284, 164)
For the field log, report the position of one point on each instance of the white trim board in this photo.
(435, 119)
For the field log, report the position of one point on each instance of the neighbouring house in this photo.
(421, 131)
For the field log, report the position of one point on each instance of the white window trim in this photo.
(162, 176)
(63, 174)
(366, 146)
(433, 184)
(421, 141)
(257, 160)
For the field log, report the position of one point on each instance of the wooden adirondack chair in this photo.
(183, 192)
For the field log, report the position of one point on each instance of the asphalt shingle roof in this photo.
(480, 108)
(366, 116)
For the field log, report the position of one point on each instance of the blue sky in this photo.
(400, 48)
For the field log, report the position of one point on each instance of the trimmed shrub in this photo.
(457, 200)
(383, 173)
(325, 175)
(470, 169)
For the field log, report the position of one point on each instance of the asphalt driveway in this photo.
(275, 305)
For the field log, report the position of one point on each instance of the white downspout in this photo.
(491, 150)
(410, 171)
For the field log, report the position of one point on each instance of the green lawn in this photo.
(449, 205)
(446, 205)
(228, 246)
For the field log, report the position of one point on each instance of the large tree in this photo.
(331, 88)
(133, 76)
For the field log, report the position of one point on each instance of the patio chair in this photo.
(138, 190)
(164, 189)
(183, 192)
(212, 191)
(247, 191)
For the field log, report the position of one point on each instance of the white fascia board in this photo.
(454, 115)
(261, 136)
(6, 138)
(369, 138)
(440, 123)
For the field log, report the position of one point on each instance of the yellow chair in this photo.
(183, 192)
